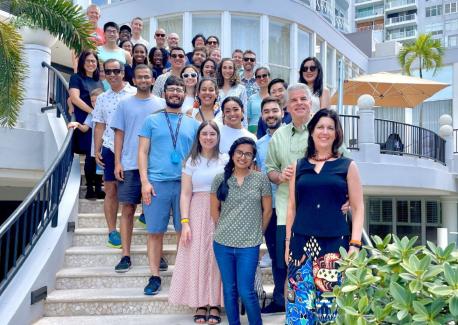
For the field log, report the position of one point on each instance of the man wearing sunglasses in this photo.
(159, 36)
(177, 60)
(105, 106)
(247, 77)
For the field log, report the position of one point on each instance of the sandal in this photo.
(200, 319)
(216, 319)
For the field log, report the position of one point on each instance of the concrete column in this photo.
(313, 44)
(450, 217)
(368, 149)
(226, 35)
(37, 49)
(455, 95)
(264, 27)
(152, 31)
(187, 31)
(293, 56)
(324, 61)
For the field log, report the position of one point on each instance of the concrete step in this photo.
(96, 206)
(99, 236)
(97, 220)
(113, 301)
(105, 277)
(159, 319)
(92, 256)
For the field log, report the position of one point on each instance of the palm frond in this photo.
(12, 74)
(60, 17)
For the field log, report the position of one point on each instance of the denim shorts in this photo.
(108, 160)
(130, 190)
(157, 213)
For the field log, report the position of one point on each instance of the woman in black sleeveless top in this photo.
(315, 227)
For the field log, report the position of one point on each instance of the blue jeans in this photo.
(238, 268)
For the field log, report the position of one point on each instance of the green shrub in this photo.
(398, 283)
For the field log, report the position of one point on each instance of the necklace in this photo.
(325, 158)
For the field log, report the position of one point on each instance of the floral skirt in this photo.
(305, 304)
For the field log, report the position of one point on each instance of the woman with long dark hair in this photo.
(80, 86)
(207, 107)
(208, 68)
(241, 207)
(158, 58)
(311, 74)
(190, 76)
(321, 184)
(196, 281)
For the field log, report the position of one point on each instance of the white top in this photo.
(203, 173)
(187, 104)
(141, 40)
(229, 135)
(238, 91)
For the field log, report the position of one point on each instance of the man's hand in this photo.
(147, 190)
(99, 159)
(119, 172)
(345, 207)
(286, 174)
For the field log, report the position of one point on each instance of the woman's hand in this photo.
(353, 249)
(185, 238)
(287, 253)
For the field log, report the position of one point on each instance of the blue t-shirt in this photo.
(262, 145)
(254, 109)
(155, 128)
(129, 117)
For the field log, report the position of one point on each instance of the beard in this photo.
(275, 126)
(174, 105)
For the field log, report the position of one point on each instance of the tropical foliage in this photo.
(396, 282)
(61, 18)
(427, 50)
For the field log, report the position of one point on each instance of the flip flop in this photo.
(198, 318)
(215, 318)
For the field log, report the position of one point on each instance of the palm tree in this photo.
(61, 18)
(427, 50)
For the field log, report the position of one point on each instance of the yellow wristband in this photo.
(185, 220)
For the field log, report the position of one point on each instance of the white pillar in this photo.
(293, 56)
(313, 44)
(324, 61)
(226, 35)
(450, 217)
(368, 149)
(455, 95)
(264, 27)
(187, 31)
(152, 31)
(37, 49)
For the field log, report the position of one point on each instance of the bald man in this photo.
(173, 40)
(160, 37)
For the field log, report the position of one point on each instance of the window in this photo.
(303, 45)
(207, 25)
(452, 41)
(172, 24)
(451, 25)
(450, 8)
(434, 11)
(245, 33)
(434, 29)
(279, 49)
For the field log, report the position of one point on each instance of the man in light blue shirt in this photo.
(166, 139)
(126, 123)
(272, 114)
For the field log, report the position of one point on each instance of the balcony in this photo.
(401, 20)
(400, 5)
(362, 3)
(401, 36)
(369, 14)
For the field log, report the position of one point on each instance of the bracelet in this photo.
(185, 220)
(357, 242)
(355, 245)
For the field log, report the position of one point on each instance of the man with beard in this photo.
(165, 141)
(272, 114)
(126, 122)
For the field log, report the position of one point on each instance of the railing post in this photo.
(446, 132)
(369, 150)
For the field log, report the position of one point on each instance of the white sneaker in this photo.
(265, 261)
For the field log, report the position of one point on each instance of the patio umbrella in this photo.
(389, 89)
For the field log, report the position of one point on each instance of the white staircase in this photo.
(89, 291)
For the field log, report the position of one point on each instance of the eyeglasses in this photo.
(111, 31)
(189, 75)
(240, 154)
(212, 42)
(177, 90)
(159, 35)
(116, 72)
(249, 59)
(174, 56)
(312, 68)
(262, 76)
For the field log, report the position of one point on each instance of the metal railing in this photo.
(398, 3)
(398, 35)
(21, 231)
(401, 19)
(404, 139)
(350, 130)
(369, 13)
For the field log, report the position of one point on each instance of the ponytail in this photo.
(223, 189)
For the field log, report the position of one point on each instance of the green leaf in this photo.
(451, 275)
(361, 321)
(441, 290)
(420, 308)
(349, 288)
(402, 314)
(350, 310)
(415, 286)
(400, 294)
(362, 304)
(454, 306)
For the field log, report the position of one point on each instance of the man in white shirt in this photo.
(137, 27)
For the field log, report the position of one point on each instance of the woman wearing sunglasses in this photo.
(190, 75)
(311, 74)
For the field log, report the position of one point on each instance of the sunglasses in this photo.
(249, 59)
(312, 68)
(189, 75)
(174, 56)
(212, 42)
(160, 35)
(262, 76)
(116, 72)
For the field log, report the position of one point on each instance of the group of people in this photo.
(231, 155)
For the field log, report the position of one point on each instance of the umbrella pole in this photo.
(340, 87)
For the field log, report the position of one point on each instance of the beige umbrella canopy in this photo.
(389, 90)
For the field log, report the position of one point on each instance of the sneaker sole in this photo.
(114, 246)
(163, 268)
(154, 293)
(123, 270)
